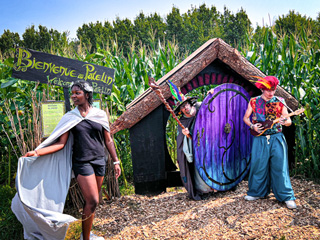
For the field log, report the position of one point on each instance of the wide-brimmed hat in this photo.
(179, 98)
(266, 83)
(191, 100)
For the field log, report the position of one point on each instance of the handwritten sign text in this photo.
(46, 68)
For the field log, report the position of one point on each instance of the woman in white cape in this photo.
(43, 176)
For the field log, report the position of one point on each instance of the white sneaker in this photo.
(93, 237)
(250, 198)
(291, 204)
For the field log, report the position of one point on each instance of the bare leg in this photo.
(90, 187)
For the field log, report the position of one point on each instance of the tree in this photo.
(194, 33)
(208, 17)
(318, 23)
(141, 28)
(42, 39)
(149, 29)
(37, 39)
(93, 35)
(108, 33)
(157, 27)
(123, 30)
(293, 23)
(175, 26)
(258, 36)
(9, 40)
(201, 24)
(59, 40)
(29, 38)
(235, 26)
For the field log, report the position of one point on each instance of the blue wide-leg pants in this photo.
(269, 168)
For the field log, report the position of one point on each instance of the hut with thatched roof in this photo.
(214, 63)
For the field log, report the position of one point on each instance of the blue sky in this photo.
(68, 15)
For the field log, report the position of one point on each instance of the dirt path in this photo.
(224, 215)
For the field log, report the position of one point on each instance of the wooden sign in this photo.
(221, 140)
(46, 68)
(51, 114)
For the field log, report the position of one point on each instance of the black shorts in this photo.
(87, 168)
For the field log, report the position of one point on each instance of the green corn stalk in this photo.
(294, 59)
(9, 166)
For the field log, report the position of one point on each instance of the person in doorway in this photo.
(91, 134)
(269, 157)
(187, 109)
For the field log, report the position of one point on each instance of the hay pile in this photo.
(224, 215)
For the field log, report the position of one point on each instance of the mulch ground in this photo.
(223, 215)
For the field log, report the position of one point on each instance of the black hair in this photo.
(82, 85)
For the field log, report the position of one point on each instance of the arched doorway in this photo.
(221, 140)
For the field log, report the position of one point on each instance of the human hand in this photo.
(211, 91)
(185, 131)
(117, 170)
(31, 154)
(257, 127)
(283, 120)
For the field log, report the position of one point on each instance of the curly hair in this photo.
(85, 87)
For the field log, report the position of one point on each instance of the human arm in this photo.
(57, 146)
(256, 127)
(285, 121)
(112, 150)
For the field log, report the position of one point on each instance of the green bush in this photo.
(9, 224)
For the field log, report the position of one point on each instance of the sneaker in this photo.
(291, 204)
(93, 237)
(250, 198)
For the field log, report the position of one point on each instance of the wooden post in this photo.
(66, 99)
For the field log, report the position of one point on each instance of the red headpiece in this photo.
(266, 83)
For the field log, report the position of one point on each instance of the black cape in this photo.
(186, 168)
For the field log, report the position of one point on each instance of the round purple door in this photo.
(221, 140)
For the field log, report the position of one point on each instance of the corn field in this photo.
(294, 59)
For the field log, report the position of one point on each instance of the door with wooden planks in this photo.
(221, 140)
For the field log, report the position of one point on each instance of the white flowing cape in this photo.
(43, 182)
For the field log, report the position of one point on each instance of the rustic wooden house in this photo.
(215, 62)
